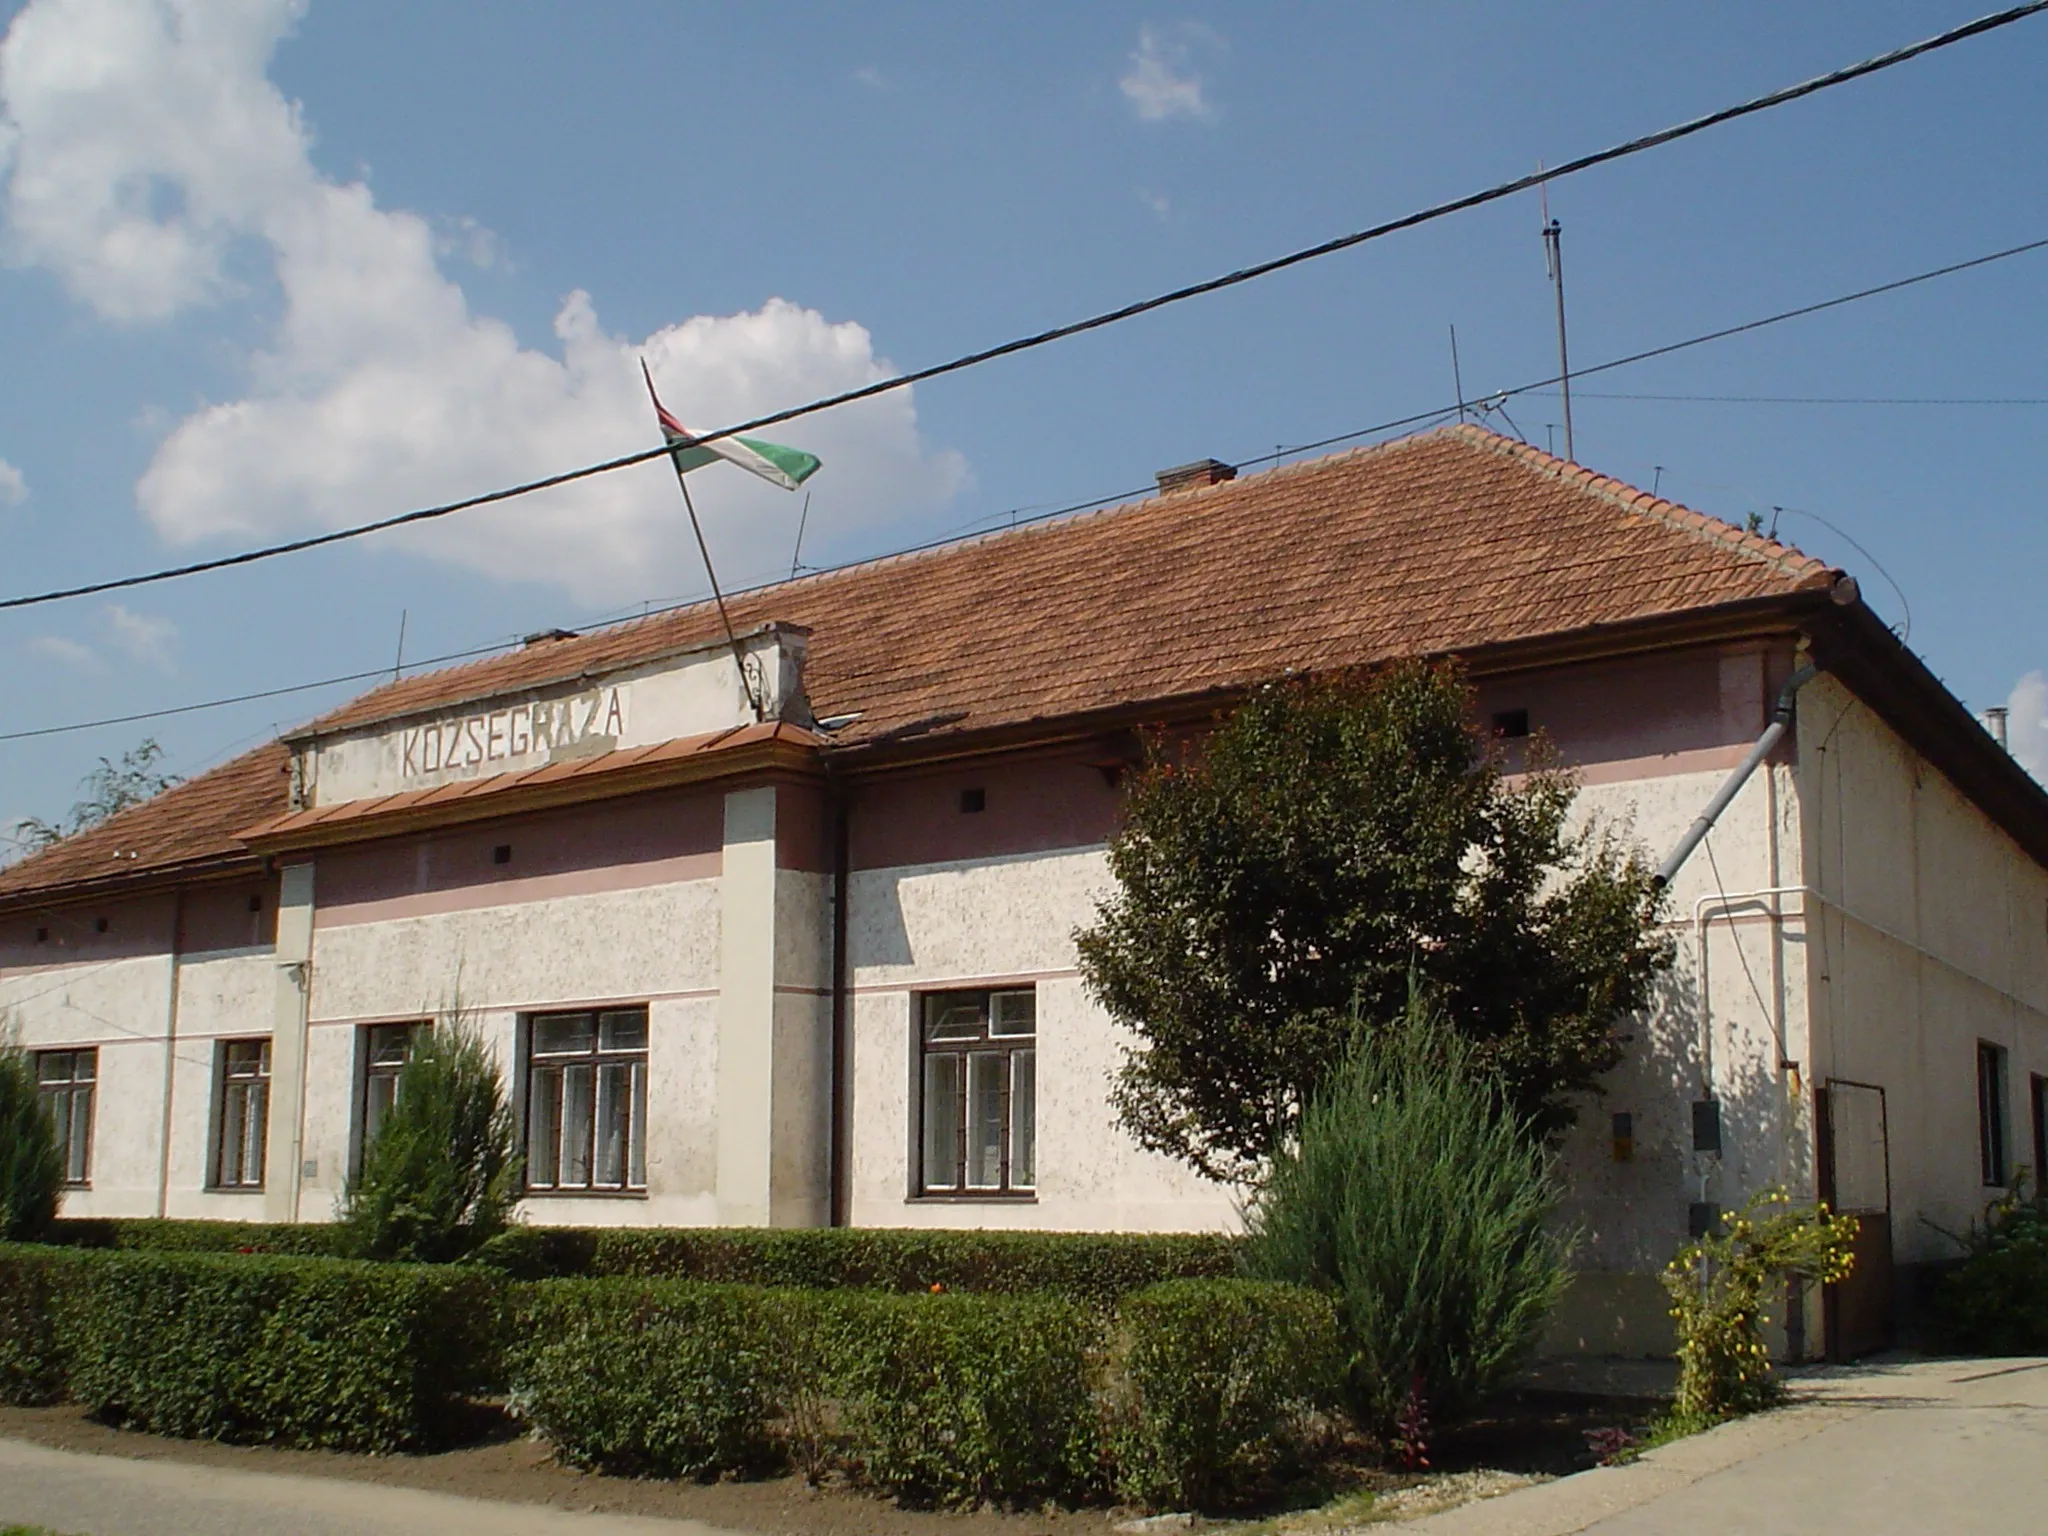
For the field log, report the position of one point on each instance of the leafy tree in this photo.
(443, 1173)
(1281, 880)
(110, 788)
(1425, 1213)
(31, 1164)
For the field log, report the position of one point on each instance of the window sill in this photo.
(974, 1197)
(234, 1189)
(584, 1194)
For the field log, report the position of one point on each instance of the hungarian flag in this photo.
(786, 467)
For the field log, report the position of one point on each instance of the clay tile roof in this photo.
(1446, 542)
(194, 825)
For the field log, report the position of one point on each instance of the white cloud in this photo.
(873, 79)
(1160, 205)
(1163, 80)
(141, 637)
(148, 141)
(13, 488)
(2027, 724)
(71, 653)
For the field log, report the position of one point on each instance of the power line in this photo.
(242, 698)
(1967, 400)
(1095, 503)
(1495, 193)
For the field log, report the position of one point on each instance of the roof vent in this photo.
(543, 636)
(1192, 477)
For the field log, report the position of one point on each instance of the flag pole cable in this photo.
(739, 657)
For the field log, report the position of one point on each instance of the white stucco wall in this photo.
(1931, 934)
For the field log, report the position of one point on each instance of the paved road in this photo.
(1951, 1447)
(110, 1496)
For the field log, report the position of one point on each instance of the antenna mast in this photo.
(1457, 378)
(1553, 256)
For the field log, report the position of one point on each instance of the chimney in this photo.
(1994, 721)
(1192, 477)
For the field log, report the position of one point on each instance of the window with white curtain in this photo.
(241, 1115)
(586, 1101)
(978, 1093)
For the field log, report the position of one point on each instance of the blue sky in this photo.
(272, 267)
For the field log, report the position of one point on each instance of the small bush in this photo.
(1996, 1301)
(31, 1163)
(443, 1174)
(1093, 1267)
(655, 1380)
(1717, 1285)
(976, 1399)
(304, 1352)
(1217, 1380)
(1423, 1209)
(936, 1399)
(31, 1362)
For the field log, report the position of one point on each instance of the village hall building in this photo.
(782, 931)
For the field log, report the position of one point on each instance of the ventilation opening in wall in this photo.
(973, 801)
(255, 903)
(42, 935)
(99, 925)
(502, 854)
(1509, 724)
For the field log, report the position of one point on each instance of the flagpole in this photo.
(738, 656)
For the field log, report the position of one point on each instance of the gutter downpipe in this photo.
(1781, 721)
(840, 1152)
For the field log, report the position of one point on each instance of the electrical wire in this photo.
(1417, 418)
(1470, 200)
(1966, 400)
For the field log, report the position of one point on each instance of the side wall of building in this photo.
(1929, 933)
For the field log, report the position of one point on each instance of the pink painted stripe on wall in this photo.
(513, 890)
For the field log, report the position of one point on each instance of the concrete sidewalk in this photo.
(1949, 1446)
(112, 1496)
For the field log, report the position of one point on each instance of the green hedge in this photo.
(935, 1399)
(293, 1351)
(1097, 1267)
(309, 1239)
(1216, 1384)
(1191, 1395)
(31, 1359)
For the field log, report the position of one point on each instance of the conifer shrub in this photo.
(443, 1173)
(1215, 1387)
(1422, 1206)
(31, 1163)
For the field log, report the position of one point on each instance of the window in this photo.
(978, 1072)
(2037, 1099)
(65, 1079)
(1994, 1145)
(586, 1100)
(386, 1049)
(242, 1116)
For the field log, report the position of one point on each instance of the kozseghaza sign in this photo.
(691, 691)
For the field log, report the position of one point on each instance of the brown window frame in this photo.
(374, 1099)
(546, 1108)
(2037, 1103)
(945, 1034)
(1994, 1118)
(63, 1097)
(239, 1081)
